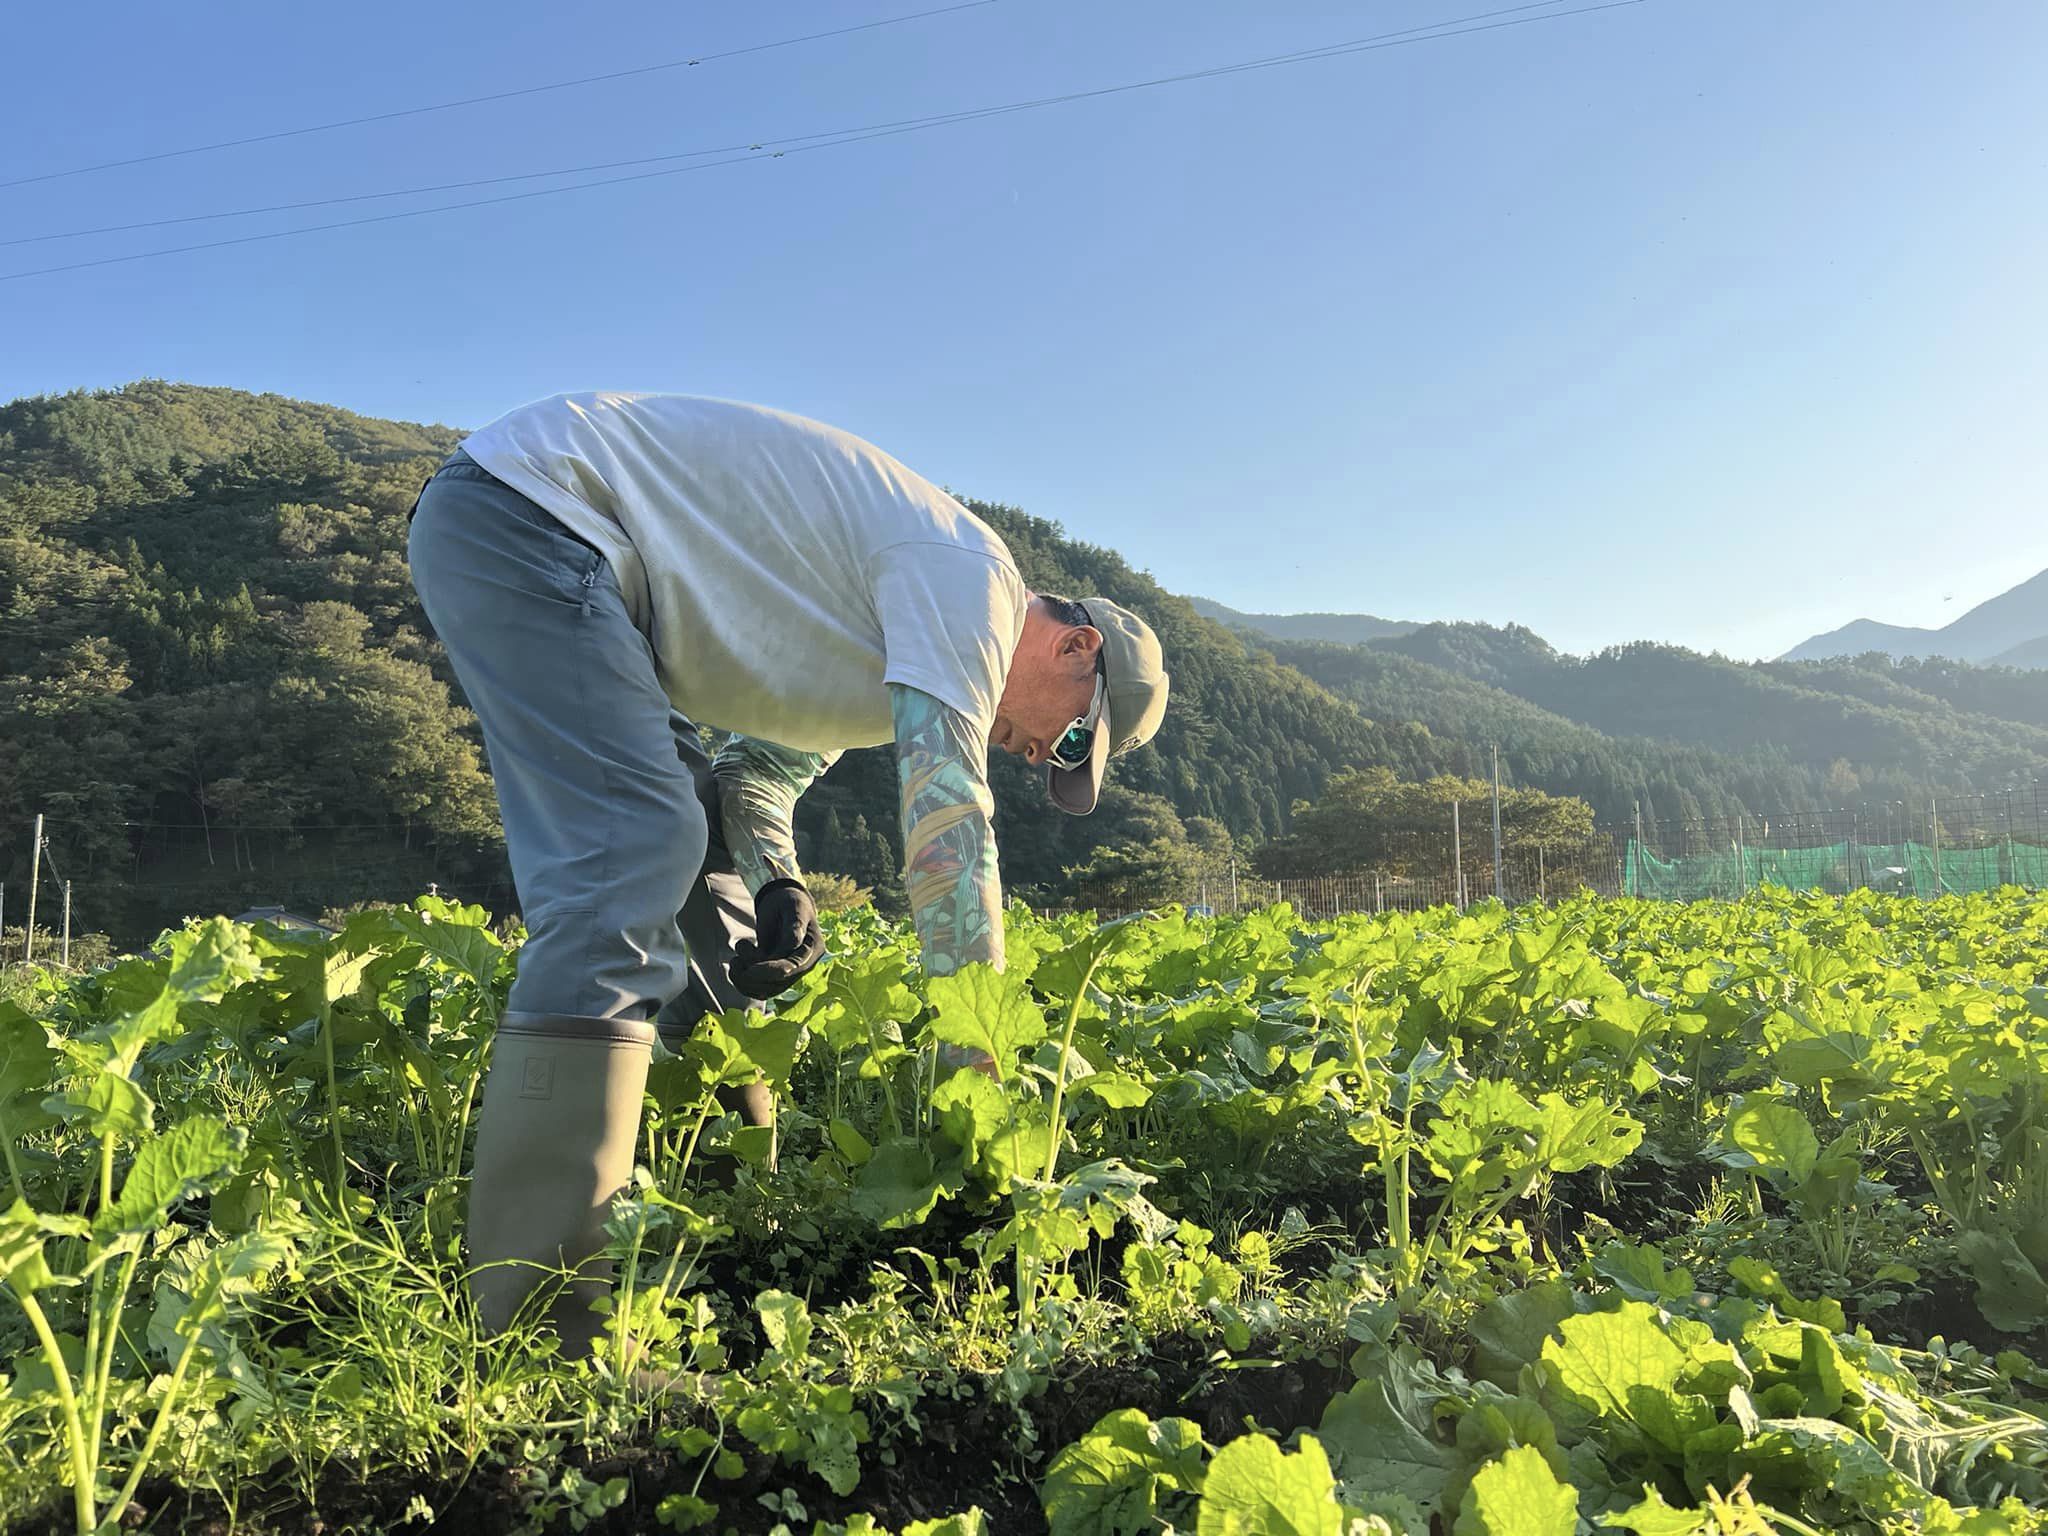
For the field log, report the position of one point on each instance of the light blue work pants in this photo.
(629, 896)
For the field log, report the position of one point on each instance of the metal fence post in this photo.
(35, 870)
(1457, 860)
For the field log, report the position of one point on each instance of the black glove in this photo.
(786, 926)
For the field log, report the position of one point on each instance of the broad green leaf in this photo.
(1119, 1090)
(971, 1112)
(971, 1522)
(122, 1041)
(864, 1001)
(981, 1009)
(469, 948)
(1776, 1135)
(185, 1160)
(1653, 1517)
(1640, 1271)
(719, 1052)
(1509, 1331)
(2010, 1290)
(28, 1064)
(1018, 1150)
(27, 1059)
(1812, 1452)
(1059, 975)
(1041, 1228)
(853, 1146)
(786, 1321)
(900, 1184)
(211, 959)
(225, 1271)
(1379, 1448)
(342, 971)
(1622, 1365)
(1253, 1489)
(1518, 1495)
(1759, 1279)
(113, 1105)
(22, 1230)
(769, 1043)
(1590, 1135)
(1109, 1481)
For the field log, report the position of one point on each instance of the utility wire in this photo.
(223, 824)
(144, 885)
(471, 101)
(746, 150)
(912, 125)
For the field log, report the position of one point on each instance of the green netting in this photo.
(2029, 865)
(1907, 869)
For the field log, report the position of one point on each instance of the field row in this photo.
(1709, 1218)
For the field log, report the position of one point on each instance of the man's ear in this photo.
(1081, 640)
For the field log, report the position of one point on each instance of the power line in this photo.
(91, 883)
(749, 150)
(225, 825)
(471, 101)
(910, 125)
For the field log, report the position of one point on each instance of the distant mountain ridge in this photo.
(1692, 736)
(2009, 630)
(2033, 655)
(1337, 628)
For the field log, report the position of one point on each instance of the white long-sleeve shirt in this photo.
(784, 571)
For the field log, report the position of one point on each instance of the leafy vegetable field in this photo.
(1615, 1215)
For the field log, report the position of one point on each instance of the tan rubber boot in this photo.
(554, 1142)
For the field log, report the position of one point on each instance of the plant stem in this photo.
(13, 1164)
(622, 1314)
(882, 1076)
(690, 1151)
(333, 1108)
(81, 1464)
(468, 1100)
(102, 1367)
(1055, 1133)
(106, 1170)
(156, 1430)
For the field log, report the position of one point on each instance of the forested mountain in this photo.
(1339, 628)
(216, 682)
(1699, 736)
(1894, 739)
(1548, 751)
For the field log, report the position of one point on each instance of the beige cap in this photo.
(1135, 670)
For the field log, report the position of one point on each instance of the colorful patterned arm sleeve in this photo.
(949, 842)
(758, 786)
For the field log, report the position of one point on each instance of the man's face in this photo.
(1052, 679)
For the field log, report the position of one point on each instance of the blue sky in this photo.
(1710, 321)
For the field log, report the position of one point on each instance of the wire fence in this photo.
(1946, 845)
(160, 873)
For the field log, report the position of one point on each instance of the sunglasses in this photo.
(1078, 740)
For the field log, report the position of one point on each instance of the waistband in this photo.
(458, 465)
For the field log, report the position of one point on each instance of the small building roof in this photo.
(282, 918)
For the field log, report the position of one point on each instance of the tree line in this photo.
(217, 682)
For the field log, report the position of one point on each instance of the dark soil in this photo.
(968, 1456)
